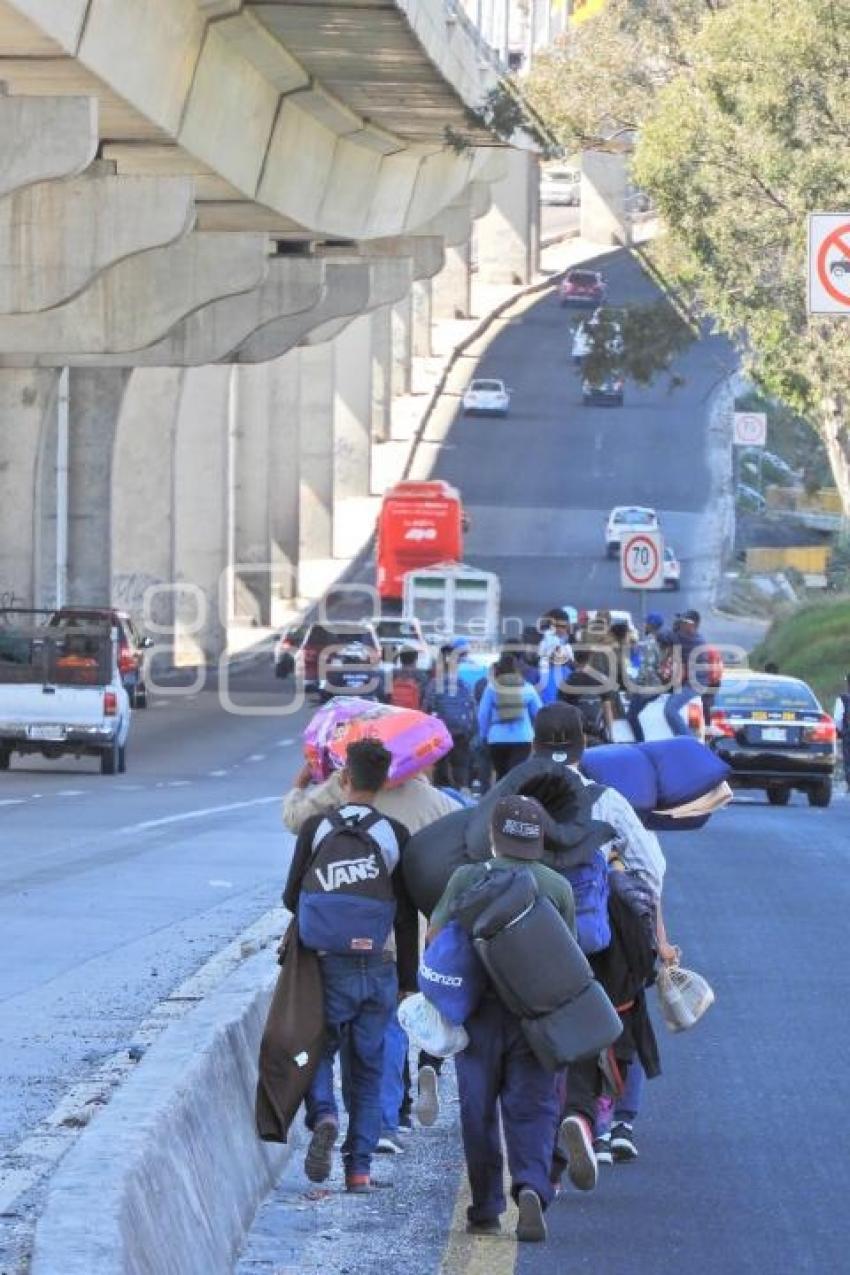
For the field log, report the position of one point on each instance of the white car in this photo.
(624, 519)
(560, 186)
(672, 568)
(487, 398)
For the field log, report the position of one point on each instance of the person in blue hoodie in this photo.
(506, 714)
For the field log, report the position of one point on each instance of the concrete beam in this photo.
(604, 192)
(42, 138)
(137, 301)
(508, 237)
(26, 400)
(75, 229)
(451, 291)
(347, 293)
(293, 286)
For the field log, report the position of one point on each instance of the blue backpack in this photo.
(455, 708)
(590, 891)
(347, 902)
(450, 975)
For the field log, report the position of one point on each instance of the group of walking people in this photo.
(347, 893)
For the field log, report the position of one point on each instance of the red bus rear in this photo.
(420, 524)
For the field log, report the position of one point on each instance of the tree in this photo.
(750, 135)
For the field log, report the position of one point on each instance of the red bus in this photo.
(420, 524)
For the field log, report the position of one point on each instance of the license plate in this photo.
(46, 732)
(774, 735)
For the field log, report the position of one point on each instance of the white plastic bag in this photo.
(428, 1029)
(684, 996)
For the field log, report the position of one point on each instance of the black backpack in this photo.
(347, 902)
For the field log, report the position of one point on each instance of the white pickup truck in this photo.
(61, 692)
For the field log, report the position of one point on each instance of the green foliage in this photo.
(812, 643)
(640, 341)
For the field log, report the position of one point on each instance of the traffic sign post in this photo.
(829, 263)
(642, 562)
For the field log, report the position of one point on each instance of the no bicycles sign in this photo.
(642, 560)
(829, 263)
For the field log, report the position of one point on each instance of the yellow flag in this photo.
(583, 9)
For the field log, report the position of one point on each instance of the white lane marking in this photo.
(284, 743)
(257, 757)
(216, 774)
(198, 814)
(222, 885)
(179, 783)
(597, 445)
(70, 792)
(13, 801)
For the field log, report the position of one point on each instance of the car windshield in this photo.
(634, 517)
(669, 554)
(774, 696)
(396, 629)
(560, 177)
(582, 277)
(489, 387)
(322, 635)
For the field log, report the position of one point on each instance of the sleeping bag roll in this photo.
(626, 769)
(580, 1029)
(431, 856)
(685, 769)
(525, 984)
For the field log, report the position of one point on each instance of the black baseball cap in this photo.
(559, 727)
(517, 827)
(693, 617)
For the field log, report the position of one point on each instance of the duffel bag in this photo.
(430, 857)
(626, 769)
(580, 1029)
(534, 962)
(497, 900)
(685, 769)
(451, 975)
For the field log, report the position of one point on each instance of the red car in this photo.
(583, 288)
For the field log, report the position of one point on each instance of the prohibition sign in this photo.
(641, 561)
(839, 239)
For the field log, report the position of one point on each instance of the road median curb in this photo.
(168, 1177)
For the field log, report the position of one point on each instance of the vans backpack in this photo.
(406, 692)
(347, 903)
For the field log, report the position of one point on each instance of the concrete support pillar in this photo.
(352, 436)
(284, 478)
(143, 496)
(27, 398)
(382, 360)
(420, 299)
(604, 190)
(315, 516)
(401, 326)
(203, 513)
(508, 236)
(95, 397)
(452, 287)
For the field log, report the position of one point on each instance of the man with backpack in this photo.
(448, 697)
(498, 1071)
(592, 694)
(351, 906)
(408, 681)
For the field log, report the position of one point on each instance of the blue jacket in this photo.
(519, 730)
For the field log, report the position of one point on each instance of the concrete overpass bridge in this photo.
(226, 228)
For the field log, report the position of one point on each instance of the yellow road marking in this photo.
(479, 1254)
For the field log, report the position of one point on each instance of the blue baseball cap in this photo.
(460, 644)
(655, 619)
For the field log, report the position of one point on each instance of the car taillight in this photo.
(720, 724)
(110, 704)
(823, 733)
(696, 720)
(126, 661)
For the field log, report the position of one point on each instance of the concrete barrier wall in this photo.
(168, 1177)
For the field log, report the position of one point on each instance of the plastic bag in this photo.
(428, 1029)
(684, 996)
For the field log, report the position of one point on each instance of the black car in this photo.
(773, 733)
(607, 392)
(306, 650)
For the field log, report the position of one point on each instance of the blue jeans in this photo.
(497, 1071)
(361, 993)
(627, 1105)
(392, 1079)
(673, 709)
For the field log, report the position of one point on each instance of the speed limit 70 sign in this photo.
(642, 560)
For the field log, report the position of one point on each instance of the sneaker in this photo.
(427, 1106)
(623, 1145)
(489, 1226)
(405, 1128)
(317, 1161)
(602, 1149)
(531, 1224)
(389, 1143)
(358, 1183)
(576, 1144)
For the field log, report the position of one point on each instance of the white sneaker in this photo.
(389, 1144)
(427, 1105)
(576, 1144)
